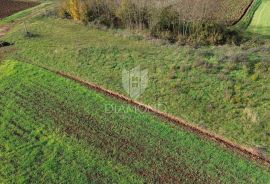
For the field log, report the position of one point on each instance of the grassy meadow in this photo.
(55, 130)
(261, 23)
(224, 89)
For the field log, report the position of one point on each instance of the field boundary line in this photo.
(244, 13)
(245, 151)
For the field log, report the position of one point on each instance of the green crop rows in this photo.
(54, 130)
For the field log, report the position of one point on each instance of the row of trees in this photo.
(164, 19)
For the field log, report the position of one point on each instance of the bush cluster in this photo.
(162, 21)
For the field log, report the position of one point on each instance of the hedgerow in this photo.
(162, 20)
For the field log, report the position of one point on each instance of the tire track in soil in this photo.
(242, 150)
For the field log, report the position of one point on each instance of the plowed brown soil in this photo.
(9, 7)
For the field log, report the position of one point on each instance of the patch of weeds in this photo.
(210, 107)
(206, 54)
(200, 63)
(236, 58)
(229, 68)
(228, 94)
(185, 68)
(259, 49)
(223, 76)
(182, 40)
(262, 67)
(203, 64)
(248, 68)
(172, 74)
(255, 77)
(136, 37)
(252, 43)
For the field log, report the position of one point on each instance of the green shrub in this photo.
(255, 77)
(167, 23)
(101, 12)
(74, 7)
(63, 9)
(134, 14)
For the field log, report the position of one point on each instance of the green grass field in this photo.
(224, 89)
(53, 130)
(261, 20)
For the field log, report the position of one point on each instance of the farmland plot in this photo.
(9, 7)
(51, 127)
(224, 11)
(261, 20)
(224, 89)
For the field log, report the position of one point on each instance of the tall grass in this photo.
(163, 19)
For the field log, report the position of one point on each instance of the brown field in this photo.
(228, 11)
(9, 7)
